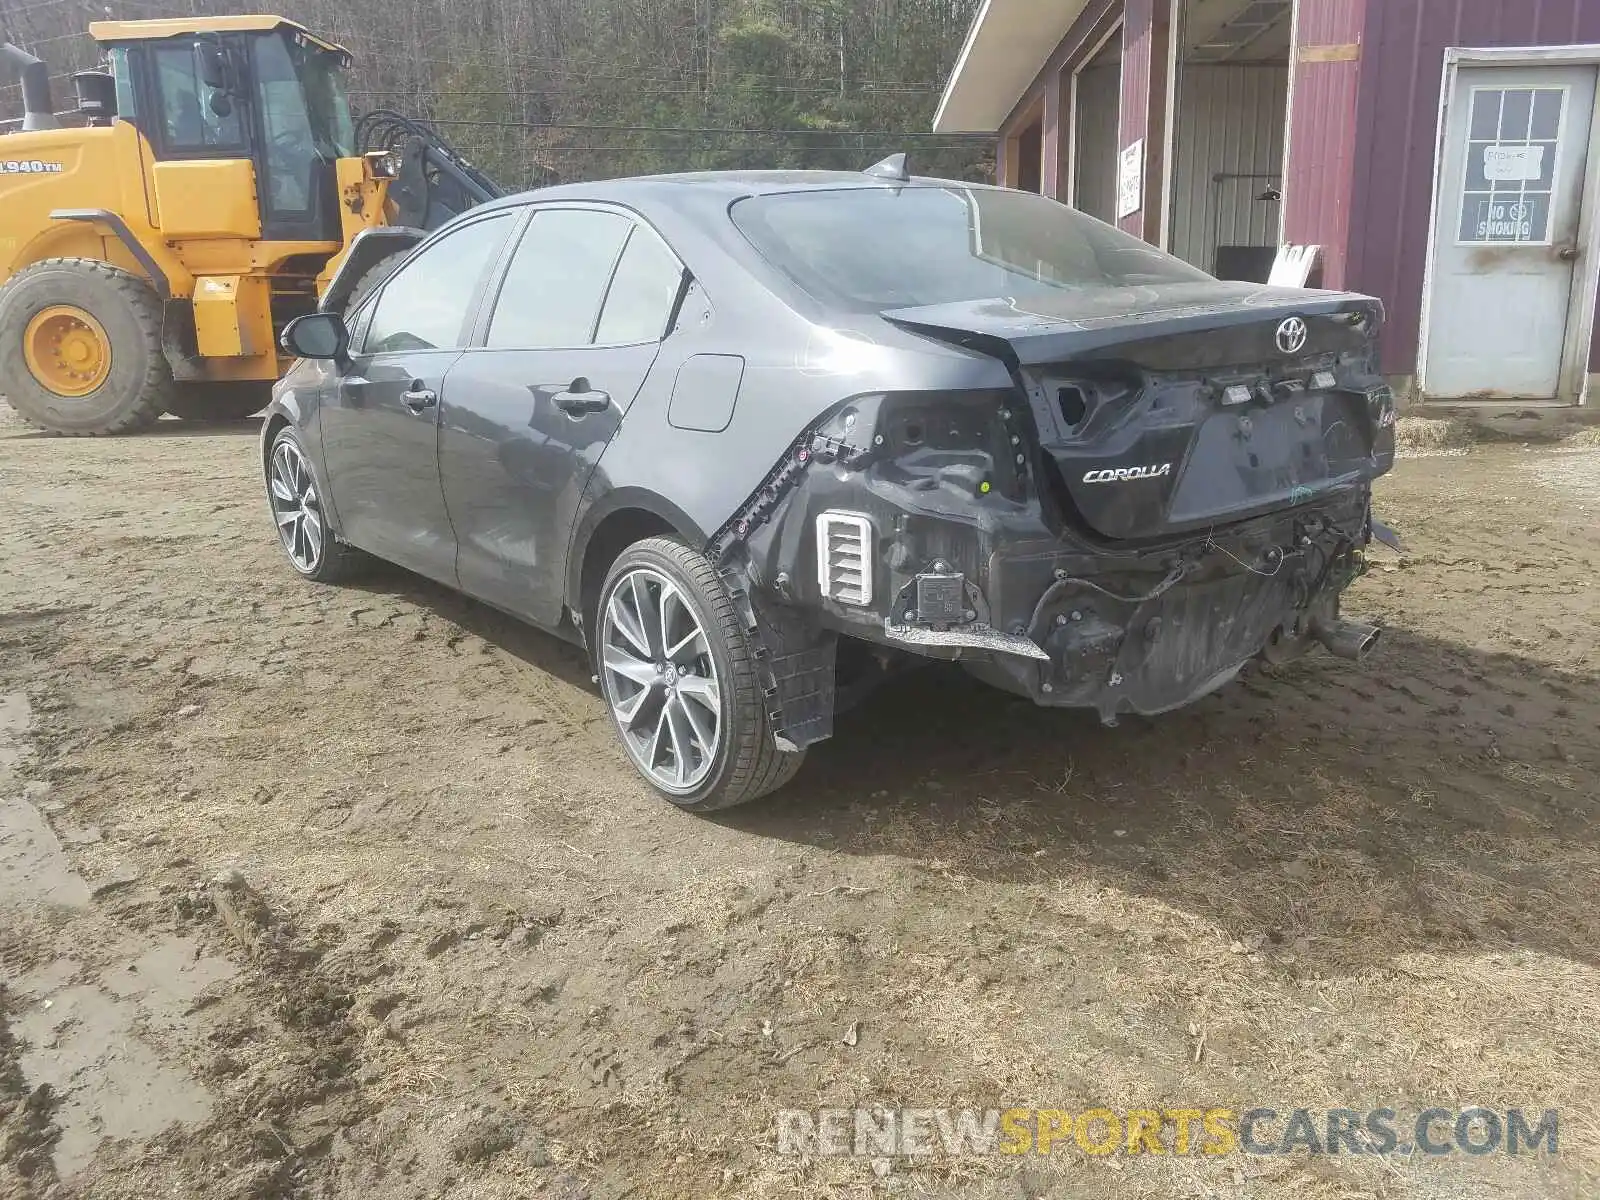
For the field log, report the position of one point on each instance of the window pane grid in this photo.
(1509, 186)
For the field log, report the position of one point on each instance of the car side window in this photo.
(427, 303)
(557, 279)
(643, 292)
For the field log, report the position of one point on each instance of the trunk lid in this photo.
(1166, 409)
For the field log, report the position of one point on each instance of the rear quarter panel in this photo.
(796, 367)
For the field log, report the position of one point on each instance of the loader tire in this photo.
(80, 348)
(371, 279)
(218, 403)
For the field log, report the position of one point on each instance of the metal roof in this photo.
(1006, 48)
(137, 31)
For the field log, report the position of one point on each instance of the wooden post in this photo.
(1146, 47)
(1053, 153)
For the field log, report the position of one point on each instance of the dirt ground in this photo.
(316, 892)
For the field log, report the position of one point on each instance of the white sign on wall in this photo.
(1130, 180)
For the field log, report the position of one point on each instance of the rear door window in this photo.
(429, 302)
(557, 280)
(644, 291)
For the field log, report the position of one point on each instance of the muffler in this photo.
(1347, 639)
(38, 110)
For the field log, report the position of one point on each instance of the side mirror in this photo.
(216, 72)
(317, 335)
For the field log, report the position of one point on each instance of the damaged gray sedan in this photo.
(754, 439)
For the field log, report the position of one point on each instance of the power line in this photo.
(890, 135)
(355, 36)
(34, 43)
(11, 13)
(659, 146)
(53, 79)
(662, 86)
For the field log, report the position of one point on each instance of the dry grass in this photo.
(1418, 437)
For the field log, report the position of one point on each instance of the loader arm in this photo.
(434, 181)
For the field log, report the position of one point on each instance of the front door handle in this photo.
(580, 399)
(417, 398)
(1567, 254)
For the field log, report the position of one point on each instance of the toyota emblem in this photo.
(1292, 336)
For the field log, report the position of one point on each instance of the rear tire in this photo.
(116, 379)
(658, 699)
(218, 403)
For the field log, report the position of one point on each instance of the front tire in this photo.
(679, 680)
(295, 501)
(80, 348)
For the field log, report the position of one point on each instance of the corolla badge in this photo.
(1125, 474)
(1292, 335)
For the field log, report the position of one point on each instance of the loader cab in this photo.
(275, 96)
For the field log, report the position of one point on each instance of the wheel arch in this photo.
(285, 411)
(623, 517)
(73, 239)
(271, 425)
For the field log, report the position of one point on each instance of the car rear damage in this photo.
(1178, 480)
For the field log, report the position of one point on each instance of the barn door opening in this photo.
(1096, 102)
(1231, 115)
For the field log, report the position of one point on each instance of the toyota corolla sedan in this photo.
(744, 436)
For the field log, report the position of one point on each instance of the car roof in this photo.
(693, 188)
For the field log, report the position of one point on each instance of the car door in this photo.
(380, 430)
(577, 321)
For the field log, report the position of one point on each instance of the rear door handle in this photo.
(418, 398)
(580, 399)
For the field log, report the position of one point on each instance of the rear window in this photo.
(866, 249)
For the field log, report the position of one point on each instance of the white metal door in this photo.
(1516, 150)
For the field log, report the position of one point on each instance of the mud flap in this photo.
(794, 665)
(179, 343)
(1387, 536)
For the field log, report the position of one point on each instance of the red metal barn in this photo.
(1441, 154)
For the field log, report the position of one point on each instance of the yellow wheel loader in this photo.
(209, 184)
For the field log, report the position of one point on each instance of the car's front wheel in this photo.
(680, 681)
(297, 510)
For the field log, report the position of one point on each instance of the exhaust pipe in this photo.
(1347, 639)
(38, 108)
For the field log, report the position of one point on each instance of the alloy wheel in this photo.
(661, 680)
(295, 507)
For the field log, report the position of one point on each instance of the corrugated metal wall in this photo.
(1095, 164)
(1230, 122)
(1322, 137)
(1402, 68)
(1137, 47)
